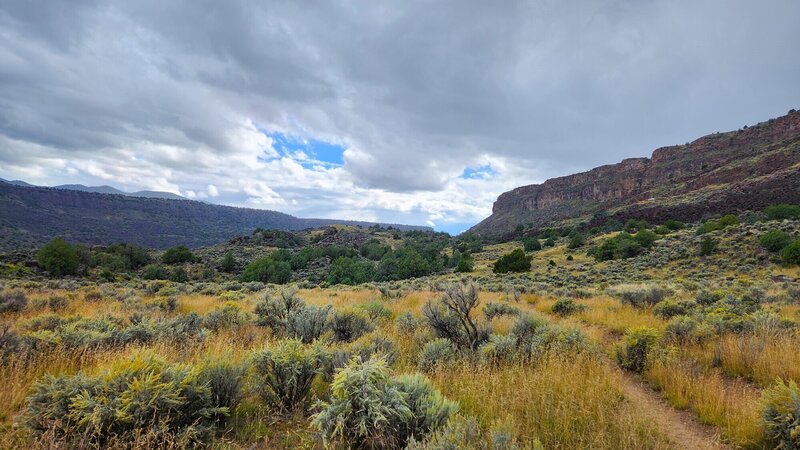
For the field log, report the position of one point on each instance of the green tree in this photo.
(782, 212)
(708, 246)
(58, 258)
(791, 254)
(267, 270)
(351, 271)
(531, 244)
(228, 263)
(178, 255)
(775, 240)
(466, 264)
(516, 261)
(576, 240)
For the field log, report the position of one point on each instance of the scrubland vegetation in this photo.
(621, 336)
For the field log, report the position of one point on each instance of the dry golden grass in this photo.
(761, 357)
(565, 401)
(731, 406)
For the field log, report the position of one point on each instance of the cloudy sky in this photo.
(403, 111)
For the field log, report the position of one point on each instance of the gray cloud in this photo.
(417, 90)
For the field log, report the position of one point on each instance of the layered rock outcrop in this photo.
(722, 172)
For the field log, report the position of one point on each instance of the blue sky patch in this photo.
(315, 151)
(479, 173)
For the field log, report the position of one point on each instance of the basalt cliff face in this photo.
(739, 170)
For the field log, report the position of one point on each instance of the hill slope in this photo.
(30, 216)
(721, 172)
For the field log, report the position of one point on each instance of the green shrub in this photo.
(12, 301)
(775, 240)
(636, 347)
(493, 309)
(782, 212)
(349, 325)
(284, 375)
(531, 244)
(369, 409)
(673, 225)
(134, 396)
(645, 238)
(566, 307)
(178, 255)
(58, 258)
(728, 220)
(516, 261)
(791, 254)
(367, 347)
(782, 414)
(439, 352)
(671, 308)
(621, 246)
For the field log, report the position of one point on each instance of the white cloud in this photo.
(147, 95)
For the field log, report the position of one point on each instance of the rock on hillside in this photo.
(722, 172)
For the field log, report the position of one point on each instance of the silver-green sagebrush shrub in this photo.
(671, 308)
(349, 325)
(567, 306)
(228, 316)
(133, 396)
(499, 348)
(781, 417)
(452, 317)
(640, 296)
(406, 323)
(437, 353)
(370, 409)
(493, 309)
(284, 375)
(464, 433)
(12, 301)
(289, 316)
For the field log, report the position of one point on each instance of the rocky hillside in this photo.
(30, 216)
(722, 172)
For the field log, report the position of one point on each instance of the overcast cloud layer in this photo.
(438, 106)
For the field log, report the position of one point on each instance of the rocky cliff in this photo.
(723, 172)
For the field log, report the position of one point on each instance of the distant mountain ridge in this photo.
(32, 215)
(722, 172)
(104, 189)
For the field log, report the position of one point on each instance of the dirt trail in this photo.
(680, 427)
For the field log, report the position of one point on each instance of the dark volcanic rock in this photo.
(722, 172)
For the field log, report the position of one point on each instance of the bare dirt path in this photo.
(680, 427)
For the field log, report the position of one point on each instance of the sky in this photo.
(413, 111)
